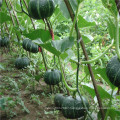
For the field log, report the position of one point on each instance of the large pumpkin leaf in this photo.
(62, 45)
(59, 16)
(4, 17)
(84, 23)
(113, 113)
(103, 93)
(44, 35)
(90, 89)
(102, 73)
(64, 9)
(47, 46)
(111, 6)
(74, 4)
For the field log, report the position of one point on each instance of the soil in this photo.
(45, 111)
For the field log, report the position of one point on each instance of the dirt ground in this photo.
(44, 111)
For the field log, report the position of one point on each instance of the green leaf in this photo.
(111, 28)
(111, 6)
(50, 48)
(44, 35)
(103, 93)
(59, 16)
(1, 67)
(113, 113)
(87, 38)
(84, 23)
(4, 17)
(102, 73)
(74, 4)
(2, 103)
(64, 9)
(89, 88)
(62, 45)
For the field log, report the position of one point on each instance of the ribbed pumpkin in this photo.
(113, 71)
(0, 3)
(4, 42)
(73, 108)
(22, 62)
(52, 77)
(58, 100)
(30, 46)
(40, 9)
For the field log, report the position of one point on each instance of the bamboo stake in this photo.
(86, 57)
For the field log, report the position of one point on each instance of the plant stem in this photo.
(42, 52)
(109, 105)
(117, 37)
(30, 17)
(13, 22)
(70, 9)
(84, 104)
(97, 58)
(74, 22)
(63, 79)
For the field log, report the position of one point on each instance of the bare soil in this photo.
(44, 111)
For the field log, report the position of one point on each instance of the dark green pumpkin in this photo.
(72, 108)
(58, 100)
(0, 3)
(40, 9)
(52, 77)
(113, 71)
(22, 62)
(30, 46)
(4, 42)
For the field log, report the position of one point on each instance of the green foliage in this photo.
(4, 17)
(111, 5)
(83, 23)
(97, 28)
(39, 33)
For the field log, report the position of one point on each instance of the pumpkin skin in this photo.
(22, 62)
(4, 42)
(40, 9)
(30, 46)
(73, 108)
(52, 77)
(58, 100)
(113, 71)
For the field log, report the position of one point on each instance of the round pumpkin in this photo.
(113, 71)
(4, 42)
(52, 77)
(22, 62)
(58, 100)
(72, 108)
(30, 46)
(40, 9)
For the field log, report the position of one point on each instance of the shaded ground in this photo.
(45, 110)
